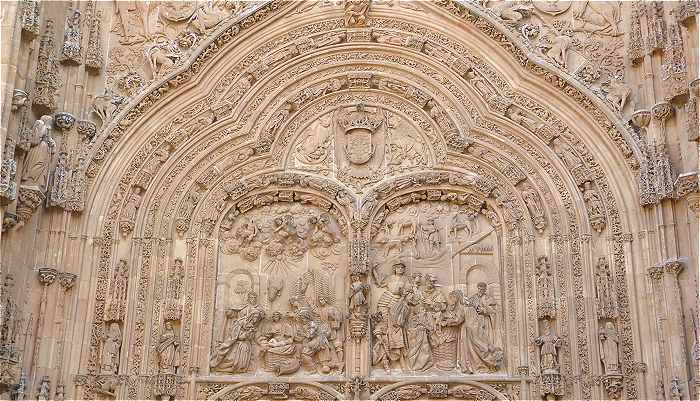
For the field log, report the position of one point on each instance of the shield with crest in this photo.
(358, 126)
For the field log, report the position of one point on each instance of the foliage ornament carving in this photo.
(48, 80)
(71, 51)
(94, 59)
(282, 192)
(30, 17)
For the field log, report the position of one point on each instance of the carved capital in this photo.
(686, 183)
(641, 118)
(86, 128)
(662, 111)
(655, 272)
(67, 280)
(47, 275)
(20, 99)
(694, 203)
(674, 267)
(613, 386)
(64, 121)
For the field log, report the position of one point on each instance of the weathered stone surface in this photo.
(352, 199)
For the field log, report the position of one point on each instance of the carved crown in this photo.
(360, 118)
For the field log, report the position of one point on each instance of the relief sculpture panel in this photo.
(280, 306)
(437, 298)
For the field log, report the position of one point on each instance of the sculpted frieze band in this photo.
(284, 250)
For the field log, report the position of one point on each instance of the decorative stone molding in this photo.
(48, 80)
(67, 280)
(47, 276)
(686, 184)
(30, 17)
(64, 121)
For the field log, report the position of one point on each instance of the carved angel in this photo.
(314, 149)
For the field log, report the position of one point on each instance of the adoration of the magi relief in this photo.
(349, 200)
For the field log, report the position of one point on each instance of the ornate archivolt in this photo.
(290, 176)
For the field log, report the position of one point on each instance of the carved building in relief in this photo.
(352, 199)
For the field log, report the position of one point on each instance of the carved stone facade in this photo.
(353, 199)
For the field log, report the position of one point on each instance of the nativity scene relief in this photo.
(280, 305)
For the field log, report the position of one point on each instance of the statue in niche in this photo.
(130, 210)
(110, 350)
(605, 298)
(545, 289)
(566, 154)
(234, 354)
(71, 38)
(36, 164)
(548, 343)
(168, 350)
(534, 206)
(600, 17)
(479, 352)
(609, 352)
(358, 295)
(446, 336)
(419, 326)
(394, 308)
(116, 305)
(279, 352)
(428, 242)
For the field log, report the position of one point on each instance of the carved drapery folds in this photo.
(300, 245)
(605, 295)
(423, 272)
